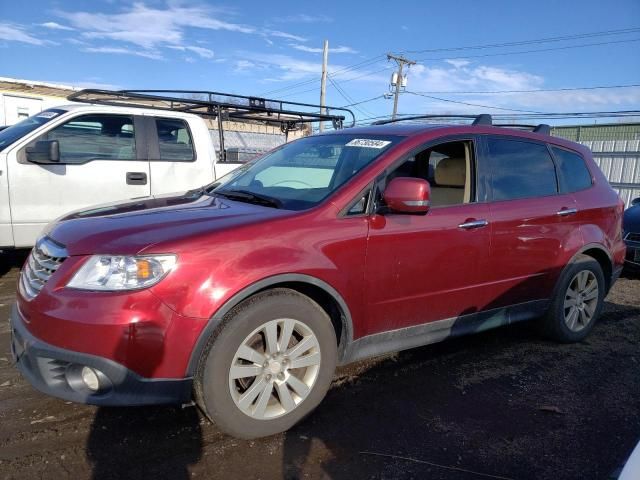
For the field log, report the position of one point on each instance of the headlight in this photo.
(115, 272)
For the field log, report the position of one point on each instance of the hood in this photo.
(631, 222)
(128, 227)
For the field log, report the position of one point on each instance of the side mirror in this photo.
(44, 151)
(408, 195)
(635, 201)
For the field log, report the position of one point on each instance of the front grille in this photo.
(633, 237)
(43, 261)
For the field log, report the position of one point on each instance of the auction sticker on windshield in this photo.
(367, 143)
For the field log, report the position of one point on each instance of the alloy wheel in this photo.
(581, 300)
(274, 369)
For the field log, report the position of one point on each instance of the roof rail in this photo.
(214, 104)
(542, 128)
(483, 119)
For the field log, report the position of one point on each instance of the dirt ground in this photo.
(504, 404)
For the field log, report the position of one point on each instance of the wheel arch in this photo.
(600, 254)
(318, 290)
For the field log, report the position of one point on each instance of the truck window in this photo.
(174, 140)
(95, 137)
(12, 133)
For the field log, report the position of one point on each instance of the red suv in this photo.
(245, 294)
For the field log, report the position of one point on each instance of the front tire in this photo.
(577, 303)
(269, 365)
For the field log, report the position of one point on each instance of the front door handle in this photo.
(136, 178)
(468, 225)
(567, 211)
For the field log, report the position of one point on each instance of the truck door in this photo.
(6, 232)
(102, 160)
(175, 164)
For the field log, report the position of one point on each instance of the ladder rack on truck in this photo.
(289, 116)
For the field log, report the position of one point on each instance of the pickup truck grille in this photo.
(633, 237)
(43, 261)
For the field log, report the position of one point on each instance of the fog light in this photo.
(90, 378)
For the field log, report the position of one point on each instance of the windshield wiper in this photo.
(249, 197)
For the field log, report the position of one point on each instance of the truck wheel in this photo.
(578, 301)
(269, 366)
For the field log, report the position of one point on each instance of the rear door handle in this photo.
(567, 211)
(136, 178)
(473, 224)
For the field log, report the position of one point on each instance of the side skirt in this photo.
(433, 332)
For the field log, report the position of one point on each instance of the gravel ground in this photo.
(504, 404)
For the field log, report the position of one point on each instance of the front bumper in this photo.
(55, 371)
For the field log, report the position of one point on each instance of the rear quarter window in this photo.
(520, 169)
(574, 175)
(174, 140)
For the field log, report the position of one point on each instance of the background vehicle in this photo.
(117, 146)
(330, 249)
(631, 233)
(631, 470)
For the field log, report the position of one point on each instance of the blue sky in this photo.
(273, 49)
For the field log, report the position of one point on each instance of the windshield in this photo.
(20, 129)
(301, 174)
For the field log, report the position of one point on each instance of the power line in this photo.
(567, 47)
(348, 98)
(568, 89)
(374, 59)
(471, 104)
(364, 63)
(467, 57)
(552, 116)
(362, 101)
(529, 42)
(355, 66)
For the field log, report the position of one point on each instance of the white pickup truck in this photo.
(119, 145)
(73, 156)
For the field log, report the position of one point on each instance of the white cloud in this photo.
(55, 26)
(466, 77)
(16, 33)
(444, 82)
(305, 18)
(201, 51)
(243, 65)
(458, 63)
(285, 35)
(340, 49)
(283, 67)
(123, 51)
(150, 27)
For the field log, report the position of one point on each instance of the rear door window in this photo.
(174, 140)
(520, 169)
(574, 175)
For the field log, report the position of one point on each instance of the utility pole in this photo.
(323, 81)
(401, 61)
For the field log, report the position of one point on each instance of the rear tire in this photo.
(268, 366)
(577, 303)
